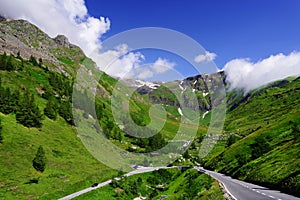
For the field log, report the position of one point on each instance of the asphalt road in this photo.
(241, 190)
(76, 194)
(237, 189)
(137, 171)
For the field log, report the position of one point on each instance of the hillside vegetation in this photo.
(42, 154)
(164, 183)
(263, 137)
(27, 90)
(36, 90)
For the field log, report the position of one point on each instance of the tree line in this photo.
(57, 93)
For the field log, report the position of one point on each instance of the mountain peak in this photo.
(62, 40)
(20, 36)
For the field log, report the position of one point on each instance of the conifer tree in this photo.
(32, 59)
(1, 137)
(28, 114)
(48, 92)
(39, 161)
(259, 147)
(50, 110)
(65, 111)
(40, 62)
(3, 61)
(9, 65)
(6, 62)
(19, 55)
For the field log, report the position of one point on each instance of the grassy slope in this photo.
(268, 114)
(69, 166)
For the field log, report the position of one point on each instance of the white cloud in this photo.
(119, 62)
(145, 74)
(126, 65)
(160, 66)
(206, 57)
(71, 18)
(243, 74)
(67, 17)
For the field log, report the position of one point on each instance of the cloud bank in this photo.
(66, 17)
(71, 18)
(119, 62)
(206, 57)
(122, 63)
(160, 66)
(246, 75)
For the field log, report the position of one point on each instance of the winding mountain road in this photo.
(137, 171)
(238, 190)
(241, 190)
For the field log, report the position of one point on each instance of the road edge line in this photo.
(224, 186)
(226, 190)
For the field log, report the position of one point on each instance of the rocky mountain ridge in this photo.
(20, 36)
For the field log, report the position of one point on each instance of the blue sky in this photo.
(252, 29)
(254, 41)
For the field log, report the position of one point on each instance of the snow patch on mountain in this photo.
(180, 85)
(136, 83)
(180, 111)
(140, 83)
(204, 114)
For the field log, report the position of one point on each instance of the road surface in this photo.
(137, 171)
(237, 189)
(241, 190)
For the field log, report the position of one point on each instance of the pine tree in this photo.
(156, 142)
(259, 147)
(28, 114)
(4, 100)
(48, 92)
(6, 62)
(19, 55)
(39, 161)
(9, 64)
(21, 67)
(50, 110)
(32, 59)
(65, 111)
(3, 59)
(1, 137)
(186, 154)
(15, 97)
(40, 62)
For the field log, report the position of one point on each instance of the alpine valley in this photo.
(42, 156)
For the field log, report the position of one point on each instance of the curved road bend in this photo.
(138, 171)
(241, 190)
(238, 189)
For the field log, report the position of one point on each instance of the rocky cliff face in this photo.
(201, 87)
(27, 39)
